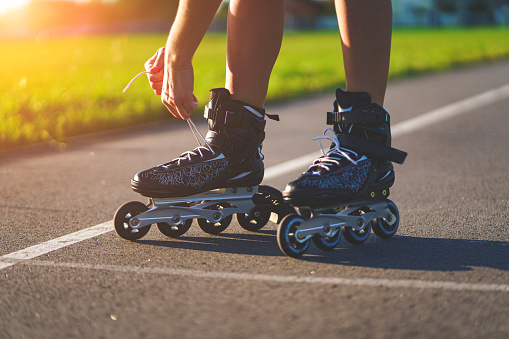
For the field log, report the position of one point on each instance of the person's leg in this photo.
(255, 32)
(358, 166)
(365, 27)
(232, 156)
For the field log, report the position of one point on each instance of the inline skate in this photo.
(213, 182)
(345, 191)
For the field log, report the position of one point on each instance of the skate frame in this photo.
(328, 224)
(214, 205)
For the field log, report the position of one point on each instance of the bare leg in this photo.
(255, 32)
(365, 27)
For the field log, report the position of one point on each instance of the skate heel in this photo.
(213, 210)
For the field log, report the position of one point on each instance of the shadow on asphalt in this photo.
(398, 252)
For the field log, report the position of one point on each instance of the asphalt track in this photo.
(63, 273)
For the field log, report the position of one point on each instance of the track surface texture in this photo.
(445, 274)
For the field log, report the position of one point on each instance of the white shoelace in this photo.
(198, 150)
(192, 126)
(327, 160)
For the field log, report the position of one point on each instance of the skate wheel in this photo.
(174, 231)
(254, 221)
(357, 237)
(122, 217)
(286, 236)
(214, 228)
(327, 243)
(387, 227)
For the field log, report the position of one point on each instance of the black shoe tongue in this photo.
(352, 99)
(217, 96)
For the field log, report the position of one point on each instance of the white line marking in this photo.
(405, 127)
(388, 283)
(400, 129)
(449, 111)
(55, 244)
(283, 168)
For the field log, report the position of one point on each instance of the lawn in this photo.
(52, 89)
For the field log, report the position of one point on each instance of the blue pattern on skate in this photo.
(352, 177)
(194, 176)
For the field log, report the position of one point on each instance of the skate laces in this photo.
(196, 132)
(198, 150)
(330, 157)
(136, 77)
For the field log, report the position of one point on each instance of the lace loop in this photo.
(333, 156)
(336, 149)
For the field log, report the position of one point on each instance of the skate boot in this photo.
(230, 158)
(347, 187)
(212, 182)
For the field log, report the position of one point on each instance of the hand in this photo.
(177, 90)
(174, 82)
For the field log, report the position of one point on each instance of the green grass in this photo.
(52, 89)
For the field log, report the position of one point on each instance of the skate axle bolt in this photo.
(135, 222)
(360, 223)
(176, 219)
(217, 216)
(326, 228)
(257, 214)
(300, 235)
(372, 194)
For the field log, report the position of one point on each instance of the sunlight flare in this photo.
(7, 5)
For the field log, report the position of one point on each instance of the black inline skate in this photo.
(211, 183)
(346, 189)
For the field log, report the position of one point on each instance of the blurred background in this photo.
(63, 64)
(23, 18)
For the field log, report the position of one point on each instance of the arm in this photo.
(191, 23)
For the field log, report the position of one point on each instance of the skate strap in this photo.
(233, 119)
(372, 148)
(225, 144)
(368, 115)
(222, 116)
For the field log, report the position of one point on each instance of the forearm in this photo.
(191, 23)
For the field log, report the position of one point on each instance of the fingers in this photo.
(155, 68)
(156, 82)
(177, 90)
(156, 62)
(180, 107)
